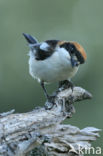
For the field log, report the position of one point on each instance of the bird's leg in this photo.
(50, 99)
(44, 89)
(71, 85)
(66, 84)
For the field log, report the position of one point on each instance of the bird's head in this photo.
(76, 51)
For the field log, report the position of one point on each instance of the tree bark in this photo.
(41, 132)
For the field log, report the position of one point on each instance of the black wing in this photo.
(44, 53)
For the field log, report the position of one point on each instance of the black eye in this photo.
(72, 50)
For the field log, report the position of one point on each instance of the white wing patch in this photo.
(44, 46)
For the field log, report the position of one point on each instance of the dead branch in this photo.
(40, 131)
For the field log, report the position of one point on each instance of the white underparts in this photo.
(57, 67)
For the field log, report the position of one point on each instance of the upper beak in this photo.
(30, 39)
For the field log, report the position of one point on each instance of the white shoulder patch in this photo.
(44, 46)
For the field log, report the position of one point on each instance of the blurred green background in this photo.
(79, 20)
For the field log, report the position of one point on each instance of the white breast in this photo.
(55, 68)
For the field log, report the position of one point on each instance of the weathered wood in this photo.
(41, 129)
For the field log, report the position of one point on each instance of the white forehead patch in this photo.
(44, 46)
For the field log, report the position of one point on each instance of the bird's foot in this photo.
(50, 102)
(65, 85)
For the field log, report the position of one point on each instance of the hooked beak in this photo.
(30, 39)
(74, 62)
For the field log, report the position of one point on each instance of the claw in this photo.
(66, 84)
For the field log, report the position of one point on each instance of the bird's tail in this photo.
(31, 40)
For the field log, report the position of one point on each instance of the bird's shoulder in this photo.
(46, 49)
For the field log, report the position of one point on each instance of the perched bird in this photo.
(54, 60)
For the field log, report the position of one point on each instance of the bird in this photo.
(54, 60)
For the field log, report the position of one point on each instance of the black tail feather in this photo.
(30, 39)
